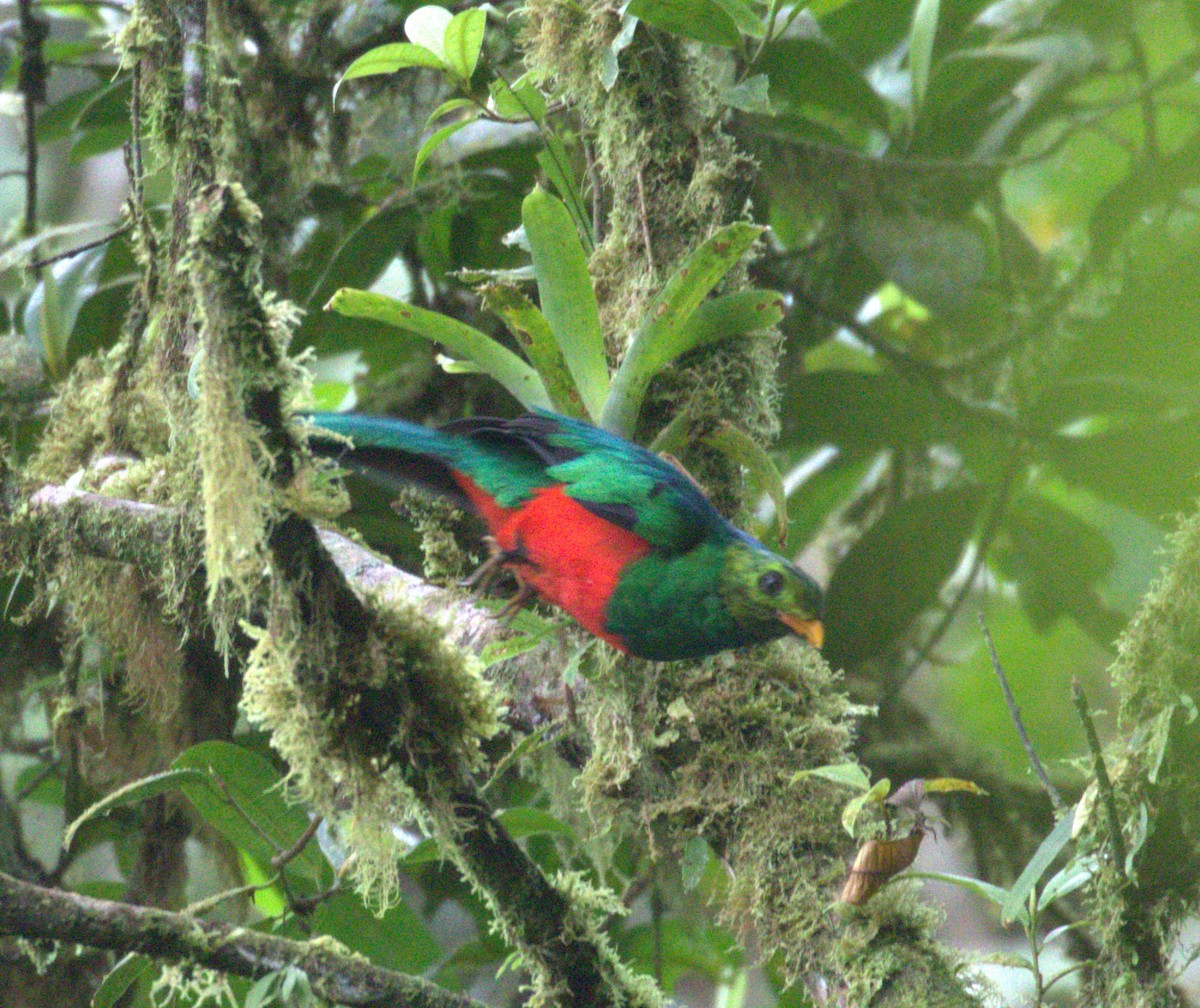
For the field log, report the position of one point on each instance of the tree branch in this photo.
(33, 911)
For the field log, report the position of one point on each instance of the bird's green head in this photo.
(761, 588)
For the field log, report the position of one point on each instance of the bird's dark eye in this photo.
(770, 583)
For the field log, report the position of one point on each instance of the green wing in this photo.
(611, 477)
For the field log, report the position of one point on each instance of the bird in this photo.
(614, 535)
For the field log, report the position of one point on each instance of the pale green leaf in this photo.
(463, 40)
(920, 48)
(498, 361)
(434, 141)
(426, 26)
(387, 59)
(568, 300)
(852, 775)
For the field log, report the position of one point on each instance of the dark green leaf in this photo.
(133, 793)
(702, 20)
(132, 967)
(240, 794)
(895, 572)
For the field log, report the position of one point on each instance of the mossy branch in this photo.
(36, 912)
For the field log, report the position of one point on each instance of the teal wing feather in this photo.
(623, 483)
(512, 459)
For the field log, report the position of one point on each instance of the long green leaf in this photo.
(920, 49)
(435, 140)
(738, 446)
(568, 300)
(731, 315)
(1017, 902)
(537, 340)
(498, 361)
(663, 333)
(132, 793)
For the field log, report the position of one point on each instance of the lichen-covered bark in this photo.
(1154, 774)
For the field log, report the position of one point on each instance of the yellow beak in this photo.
(811, 630)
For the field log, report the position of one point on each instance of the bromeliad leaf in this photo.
(497, 361)
(663, 333)
(537, 340)
(568, 300)
(731, 315)
(741, 448)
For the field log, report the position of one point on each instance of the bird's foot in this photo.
(516, 603)
(481, 579)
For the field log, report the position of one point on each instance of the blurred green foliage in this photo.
(986, 223)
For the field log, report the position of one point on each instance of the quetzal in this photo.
(619, 538)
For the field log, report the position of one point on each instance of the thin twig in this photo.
(1103, 781)
(283, 857)
(85, 247)
(645, 215)
(32, 85)
(1014, 712)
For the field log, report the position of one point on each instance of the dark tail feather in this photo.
(378, 453)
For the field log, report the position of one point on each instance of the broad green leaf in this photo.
(497, 361)
(992, 893)
(663, 333)
(426, 26)
(523, 822)
(533, 332)
(745, 16)
(920, 48)
(694, 863)
(739, 447)
(852, 775)
(1017, 902)
(132, 793)
(520, 101)
(751, 95)
(463, 41)
(128, 971)
(386, 59)
(435, 140)
(702, 20)
(397, 940)
(568, 300)
(240, 796)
